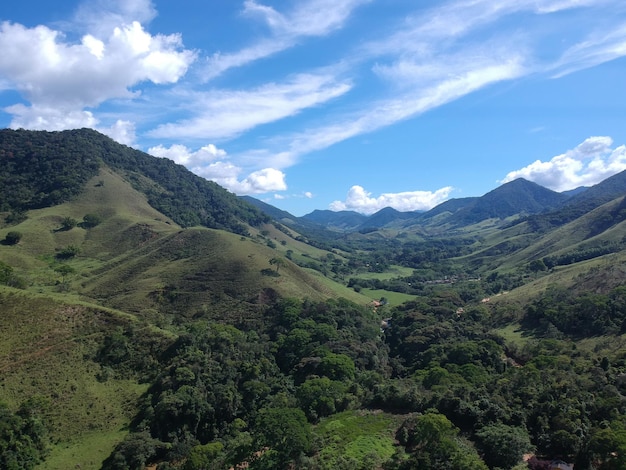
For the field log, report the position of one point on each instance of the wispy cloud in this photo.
(594, 50)
(308, 18)
(440, 55)
(470, 75)
(220, 114)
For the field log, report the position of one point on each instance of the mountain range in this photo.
(517, 200)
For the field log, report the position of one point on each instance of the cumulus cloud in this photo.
(212, 163)
(587, 164)
(60, 79)
(360, 200)
(122, 132)
(183, 155)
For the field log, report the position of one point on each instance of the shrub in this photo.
(68, 223)
(91, 220)
(68, 252)
(13, 238)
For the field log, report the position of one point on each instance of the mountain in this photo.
(518, 197)
(337, 220)
(39, 169)
(272, 211)
(386, 216)
(581, 203)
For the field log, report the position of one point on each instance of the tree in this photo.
(68, 223)
(285, 432)
(321, 397)
(434, 444)
(22, 438)
(503, 445)
(205, 457)
(337, 367)
(64, 270)
(133, 453)
(608, 448)
(6, 272)
(278, 262)
(91, 220)
(13, 238)
(68, 252)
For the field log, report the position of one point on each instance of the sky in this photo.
(332, 104)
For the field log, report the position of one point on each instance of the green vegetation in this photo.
(13, 238)
(173, 327)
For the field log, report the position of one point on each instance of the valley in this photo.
(151, 319)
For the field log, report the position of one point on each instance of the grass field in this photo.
(88, 453)
(357, 439)
(393, 298)
(392, 273)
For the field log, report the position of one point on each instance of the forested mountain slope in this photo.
(40, 169)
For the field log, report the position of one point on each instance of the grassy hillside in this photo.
(135, 273)
(47, 354)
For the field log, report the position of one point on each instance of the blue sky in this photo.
(340, 104)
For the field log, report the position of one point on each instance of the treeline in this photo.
(582, 254)
(40, 169)
(545, 396)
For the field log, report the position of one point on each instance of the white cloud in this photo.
(258, 182)
(221, 114)
(359, 200)
(211, 163)
(587, 164)
(308, 194)
(467, 77)
(60, 79)
(122, 132)
(596, 49)
(100, 17)
(183, 155)
(308, 18)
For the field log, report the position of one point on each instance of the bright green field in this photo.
(357, 439)
(393, 298)
(392, 273)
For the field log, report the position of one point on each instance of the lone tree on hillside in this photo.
(278, 262)
(91, 220)
(68, 223)
(64, 270)
(12, 238)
